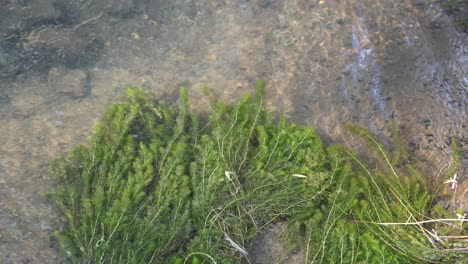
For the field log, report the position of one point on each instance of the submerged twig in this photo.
(235, 245)
(87, 21)
(454, 237)
(416, 223)
(457, 249)
(299, 176)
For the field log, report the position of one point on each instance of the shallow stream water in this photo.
(371, 62)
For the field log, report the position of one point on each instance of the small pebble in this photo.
(45, 226)
(135, 36)
(58, 123)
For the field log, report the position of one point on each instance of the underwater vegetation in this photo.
(457, 8)
(162, 184)
(383, 214)
(462, 22)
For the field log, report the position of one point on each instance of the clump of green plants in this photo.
(452, 5)
(457, 8)
(161, 184)
(462, 23)
(158, 184)
(382, 214)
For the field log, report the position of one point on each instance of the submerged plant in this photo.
(462, 23)
(161, 184)
(451, 5)
(380, 215)
(125, 196)
(157, 184)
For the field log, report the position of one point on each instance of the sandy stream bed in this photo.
(325, 62)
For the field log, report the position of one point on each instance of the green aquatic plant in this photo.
(157, 184)
(131, 176)
(162, 184)
(249, 167)
(462, 23)
(451, 5)
(382, 215)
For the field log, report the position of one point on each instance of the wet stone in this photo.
(43, 10)
(4, 99)
(85, 51)
(430, 137)
(426, 122)
(3, 58)
(164, 11)
(420, 3)
(121, 7)
(52, 38)
(268, 3)
(29, 12)
(27, 260)
(414, 145)
(71, 83)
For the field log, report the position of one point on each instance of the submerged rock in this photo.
(71, 83)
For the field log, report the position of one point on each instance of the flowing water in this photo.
(371, 62)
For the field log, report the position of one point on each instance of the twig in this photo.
(458, 249)
(424, 230)
(299, 176)
(416, 223)
(434, 235)
(454, 237)
(87, 21)
(235, 245)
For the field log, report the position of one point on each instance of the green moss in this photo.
(160, 184)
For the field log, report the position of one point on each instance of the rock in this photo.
(50, 44)
(421, 4)
(26, 14)
(121, 7)
(22, 15)
(140, 5)
(53, 38)
(135, 36)
(84, 52)
(164, 11)
(5, 99)
(3, 58)
(71, 83)
(268, 3)
(42, 10)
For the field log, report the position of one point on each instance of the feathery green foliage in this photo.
(159, 184)
(373, 215)
(156, 182)
(132, 175)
